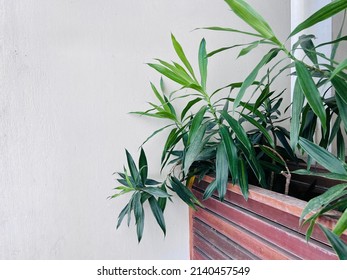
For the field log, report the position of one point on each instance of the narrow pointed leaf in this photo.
(252, 18)
(253, 75)
(324, 13)
(341, 224)
(311, 92)
(338, 245)
(158, 213)
(323, 157)
(231, 152)
(122, 215)
(132, 167)
(189, 106)
(211, 188)
(243, 179)
(297, 105)
(179, 50)
(203, 63)
(328, 175)
(221, 170)
(339, 68)
(156, 192)
(195, 147)
(196, 124)
(322, 200)
(143, 167)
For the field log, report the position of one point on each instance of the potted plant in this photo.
(220, 142)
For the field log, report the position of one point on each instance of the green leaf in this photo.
(203, 63)
(339, 68)
(252, 18)
(261, 128)
(309, 49)
(239, 131)
(297, 105)
(196, 124)
(231, 152)
(338, 245)
(189, 106)
(160, 98)
(328, 175)
(122, 215)
(158, 213)
(181, 55)
(323, 157)
(143, 167)
(155, 133)
(169, 74)
(211, 188)
(221, 170)
(184, 193)
(132, 167)
(324, 13)
(194, 148)
(227, 29)
(341, 224)
(323, 200)
(162, 200)
(156, 192)
(139, 215)
(253, 75)
(311, 92)
(247, 49)
(340, 145)
(243, 178)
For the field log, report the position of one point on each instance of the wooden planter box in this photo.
(264, 227)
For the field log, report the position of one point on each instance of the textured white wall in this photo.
(70, 71)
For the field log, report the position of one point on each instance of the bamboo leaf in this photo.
(341, 224)
(252, 18)
(332, 176)
(189, 106)
(203, 63)
(323, 200)
(253, 75)
(184, 193)
(247, 49)
(231, 152)
(122, 215)
(158, 213)
(211, 188)
(261, 128)
(156, 192)
(323, 157)
(221, 170)
(194, 148)
(309, 49)
(139, 215)
(339, 68)
(143, 167)
(297, 105)
(169, 74)
(311, 92)
(322, 14)
(227, 29)
(132, 168)
(243, 178)
(196, 124)
(179, 50)
(338, 245)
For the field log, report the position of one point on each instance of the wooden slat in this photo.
(266, 227)
(247, 240)
(230, 248)
(274, 233)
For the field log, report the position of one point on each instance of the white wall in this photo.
(70, 72)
